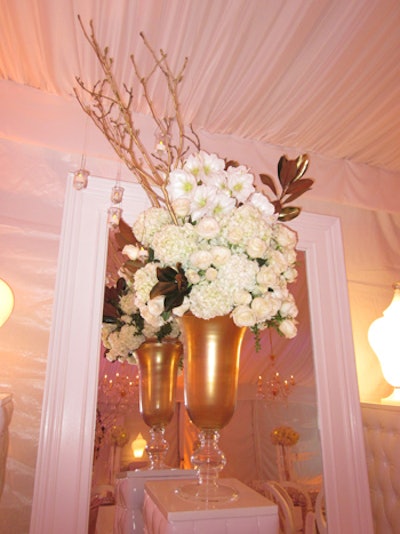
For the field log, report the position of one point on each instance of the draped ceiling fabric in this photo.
(313, 75)
(264, 78)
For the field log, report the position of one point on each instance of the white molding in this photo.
(63, 473)
(340, 422)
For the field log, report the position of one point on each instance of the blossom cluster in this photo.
(230, 254)
(284, 435)
(125, 332)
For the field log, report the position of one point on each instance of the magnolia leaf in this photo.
(288, 213)
(167, 274)
(302, 165)
(231, 163)
(298, 188)
(269, 182)
(163, 288)
(124, 235)
(277, 205)
(173, 300)
(287, 171)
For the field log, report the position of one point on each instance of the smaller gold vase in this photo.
(158, 364)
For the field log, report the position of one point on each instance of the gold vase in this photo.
(211, 372)
(158, 366)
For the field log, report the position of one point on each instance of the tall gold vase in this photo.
(158, 366)
(211, 371)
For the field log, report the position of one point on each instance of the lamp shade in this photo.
(384, 338)
(6, 301)
(138, 446)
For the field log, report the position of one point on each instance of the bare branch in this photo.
(109, 104)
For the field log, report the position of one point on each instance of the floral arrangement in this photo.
(211, 244)
(284, 435)
(228, 254)
(119, 435)
(124, 328)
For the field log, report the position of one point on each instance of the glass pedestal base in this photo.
(207, 493)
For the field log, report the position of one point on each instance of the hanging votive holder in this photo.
(162, 141)
(81, 177)
(117, 193)
(114, 216)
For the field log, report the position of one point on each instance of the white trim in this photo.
(63, 473)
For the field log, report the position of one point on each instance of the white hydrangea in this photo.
(236, 256)
(150, 222)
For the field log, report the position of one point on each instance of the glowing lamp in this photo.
(138, 446)
(384, 338)
(6, 301)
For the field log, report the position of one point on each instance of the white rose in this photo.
(235, 234)
(241, 296)
(263, 308)
(288, 328)
(220, 255)
(156, 305)
(208, 227)
(285, 236)
(131, 251)
(201, 259)
(181, 207)
(266, 277)
(155, 320)
(192, 276)
(288, 308)
(244, 316)
(211, 274)
(256, 248)
(290, 275)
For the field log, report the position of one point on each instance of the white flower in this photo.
(181, 207)
(131, 251)
(174, 244)
(267, 278)
(150, 222)
(144, 281)
(240, 296)
(211, 274)
(208, 299)
(240, 183)
(223, 204)
(181, 184)
(192, 276)
(264, 308)
(288, 307)
(203, 202)
(262, 203)
(156, 305)
(244, 316)
(208, 227)
(220, 255)
(256, 247)
(201, 259)
(284, 236)
(204, 166)
(236, 256)
(127, 303)
(288, 328)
